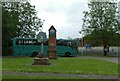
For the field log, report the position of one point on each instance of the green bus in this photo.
(30, 47)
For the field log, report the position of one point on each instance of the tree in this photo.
(100, 23)
(29, 22)
(18, 20)
(10, 20)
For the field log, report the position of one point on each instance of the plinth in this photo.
(41, 61)
(52, 54)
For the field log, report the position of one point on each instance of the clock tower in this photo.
(52, 46)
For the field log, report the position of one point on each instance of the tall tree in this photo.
(29, 22)
(18, 20)
(10, 21)
(100, 23)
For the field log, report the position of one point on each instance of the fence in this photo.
(113, 51)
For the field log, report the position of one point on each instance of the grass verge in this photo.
(62, 65)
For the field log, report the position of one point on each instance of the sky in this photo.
(65, 15)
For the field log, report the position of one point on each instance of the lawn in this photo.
(36, 77)
(0, 63)
(24, 77)
(62, 65)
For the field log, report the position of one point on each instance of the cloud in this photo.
(65, 15)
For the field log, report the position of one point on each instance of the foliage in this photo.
(18, 20)
(9, 25)
(101, 23)
(62, 65)
(29, 22)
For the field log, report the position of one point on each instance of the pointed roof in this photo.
(52, 27)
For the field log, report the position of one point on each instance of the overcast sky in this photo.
(65, 15)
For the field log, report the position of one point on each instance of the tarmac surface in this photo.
(81, 76)
(109, 59)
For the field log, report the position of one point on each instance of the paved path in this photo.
(11, 73)
(110, 59)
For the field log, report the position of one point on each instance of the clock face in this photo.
(52, 32)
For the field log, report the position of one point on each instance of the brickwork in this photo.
(52, 49)
(52, 54)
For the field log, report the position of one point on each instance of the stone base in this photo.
(41, 61)
(52, 54)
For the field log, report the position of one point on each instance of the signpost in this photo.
(41, 60)
(41, 37)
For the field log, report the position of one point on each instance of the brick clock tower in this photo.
(52, 49)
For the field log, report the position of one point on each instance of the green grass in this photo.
(0, 64)
(36, 77)
(62, 65)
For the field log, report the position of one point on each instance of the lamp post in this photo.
(82, 41)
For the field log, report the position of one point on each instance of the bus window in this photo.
(19, 42)
(26, 42)
(34, 42)
(30, 42)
